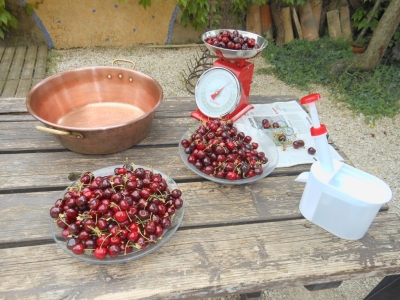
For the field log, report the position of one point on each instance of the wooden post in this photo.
(253, 19)
(335, 30)
(278, 22)
(309, 28)
(266, 21)
(316, 7)
(297, 23)
(345, 23)
(287, 23)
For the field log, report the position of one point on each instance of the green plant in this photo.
(294, 2)
(303, 64)
(366, 18)
(6, 19)
(53, 58)
(197, 12)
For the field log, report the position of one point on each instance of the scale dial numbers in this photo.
(217, 92)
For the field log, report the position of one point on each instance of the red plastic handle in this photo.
(318, 131)
(310, 98)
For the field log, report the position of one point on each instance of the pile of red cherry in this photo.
(217, 149)
(115, 214)
(232, 40)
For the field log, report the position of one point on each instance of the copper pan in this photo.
(96, 110)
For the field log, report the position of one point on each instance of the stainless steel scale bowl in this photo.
(235, 54)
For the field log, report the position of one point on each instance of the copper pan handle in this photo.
(124, 60)
(60, 132)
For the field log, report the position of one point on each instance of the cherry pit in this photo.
(114, 215)
(281, 138)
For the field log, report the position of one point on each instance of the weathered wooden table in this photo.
(233, 239)
(21, 68)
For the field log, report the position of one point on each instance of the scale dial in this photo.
(217, 92)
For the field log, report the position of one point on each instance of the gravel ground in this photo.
(374, 149)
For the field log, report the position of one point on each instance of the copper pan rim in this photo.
(50, 79)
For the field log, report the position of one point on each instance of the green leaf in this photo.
(145, 3)
(14, 22)
(29, 8)
(4, 18)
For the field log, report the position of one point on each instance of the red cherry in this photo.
(159, 230)
(231, 175)
(115, 240)
(78, 249)
(162, 209)
(178, 203)
(251, 42)
(150, 227)
(65, 233)
(103, 241)
(100, 252)
(102, 224)
(247, 139)
(121, 216)
(120, 171)
(113, 250)
(133, 236)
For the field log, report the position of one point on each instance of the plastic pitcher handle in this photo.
(303, 177)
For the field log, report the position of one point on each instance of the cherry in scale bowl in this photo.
(117, 214)
(228, 153)
(226, 42)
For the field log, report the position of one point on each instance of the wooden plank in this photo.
(2, 49)
(287, 22)
(345, 23)
(316, 7)
(29, 64)
(12, 105)
(16, 118)
(6, 61)
(307, 21)
(297, 24)
(56, 173)
(169, 107)
(162, 132)
(41, 60)
(334, 27)
(276, 254)
(23, 88)
(25, 136)
(35, 81)
(2, 84)
(10, 88)
(266, 21)
(265, 200)
(18, 62)
(253, 19)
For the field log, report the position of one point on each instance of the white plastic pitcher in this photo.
(339, 198)
(344, 202)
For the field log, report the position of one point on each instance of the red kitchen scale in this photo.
(223, 90)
